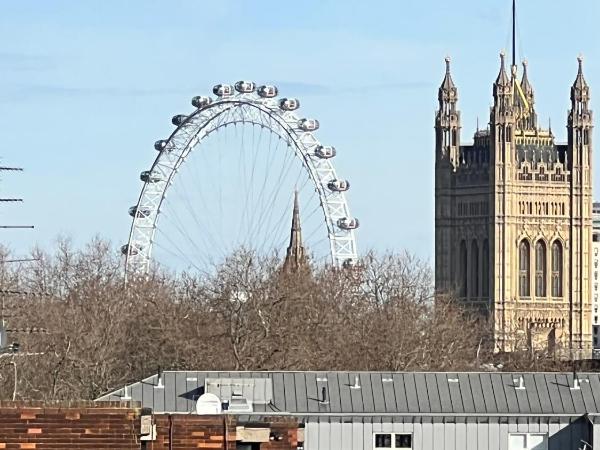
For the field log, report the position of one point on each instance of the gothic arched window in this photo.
(463, 269)
(540, 269)
(524, 268)
(474, 270)
(485, 269)
(557, 269)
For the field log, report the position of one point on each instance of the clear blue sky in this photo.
(87, 86)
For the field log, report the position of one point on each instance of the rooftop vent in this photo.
(519, 382)
(239, 404)
(356, 383)
(159, 382)
(258, 391)
(126, 395)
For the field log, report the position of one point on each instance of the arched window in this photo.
(557, 269)
(485, 269)
(454, 139)
(463, 269)
(540, 269)
(524, 268)
(474, 270)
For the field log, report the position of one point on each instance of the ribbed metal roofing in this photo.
(383, 393)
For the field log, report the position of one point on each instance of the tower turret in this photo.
(579, 125)
(503, 94)
(447, 122)
(525, 100)
(579, 130)
(447, 155)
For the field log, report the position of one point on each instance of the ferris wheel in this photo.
(224, 178)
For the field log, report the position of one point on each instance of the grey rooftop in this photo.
(305, 394)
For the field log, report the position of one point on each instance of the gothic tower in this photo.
(295, 257)
(513, 216)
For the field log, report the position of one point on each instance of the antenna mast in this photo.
(514, 32)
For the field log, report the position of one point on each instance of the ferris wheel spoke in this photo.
(179, 227)
(203, 230)
(279, 224)
(261, 194)
(288, 164)
(249, 212)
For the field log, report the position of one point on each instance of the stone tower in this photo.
(295, 257)
(513, 216)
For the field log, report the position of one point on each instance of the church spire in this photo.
(295, 256)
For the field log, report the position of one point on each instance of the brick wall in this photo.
(68, 426)
(190, 431)
(116, 426)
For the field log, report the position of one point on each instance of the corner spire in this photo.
(295, 256)
(448, 83)
(580, 82)
(525, 84)
(502, 79)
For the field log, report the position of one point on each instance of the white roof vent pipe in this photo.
(520, 381)
(159, 381)
(126, 395)
(356, 383)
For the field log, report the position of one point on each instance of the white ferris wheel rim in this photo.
(232, 109)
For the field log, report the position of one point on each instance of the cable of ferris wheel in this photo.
(277, 228)
(288, 164)
(249, 188)
(261, 195)
(191, 164)
(174, 218)
(179, 223)
(271, 199)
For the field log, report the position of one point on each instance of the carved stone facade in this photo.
(513, 216)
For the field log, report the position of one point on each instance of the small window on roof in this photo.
(393, 440)
(383, 440)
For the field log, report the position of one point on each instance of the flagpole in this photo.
(514, 33)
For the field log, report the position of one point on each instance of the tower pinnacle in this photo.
(295, 256)
(525, 84)
(502, 79)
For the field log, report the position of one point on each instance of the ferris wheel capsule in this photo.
(245, 87)
(200, 101)
(129, 250)
(267, 91)
(338, 185)
(289, 104)
(223, 90)
(309, 124)
(160, 145)
(134, 211)
(347, 223)
(148, 177)
(325, 151)
(178, 119)
(348, 263)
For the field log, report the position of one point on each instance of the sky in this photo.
(86, 88)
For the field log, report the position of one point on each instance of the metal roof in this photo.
(383, 393)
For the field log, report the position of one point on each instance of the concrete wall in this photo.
(437, 434)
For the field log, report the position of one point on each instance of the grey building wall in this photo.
(439, 434)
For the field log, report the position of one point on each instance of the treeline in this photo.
(83, 332)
